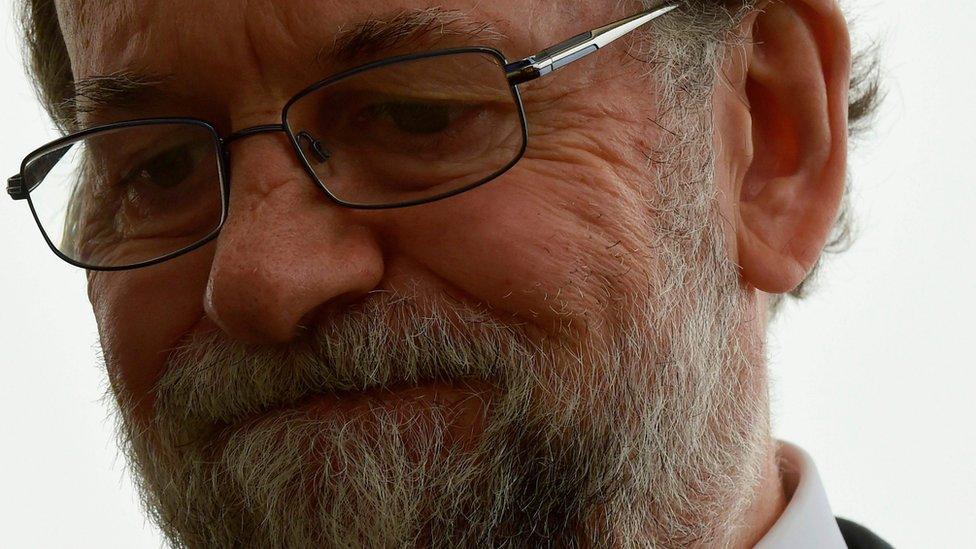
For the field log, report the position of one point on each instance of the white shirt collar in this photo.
(807, 522)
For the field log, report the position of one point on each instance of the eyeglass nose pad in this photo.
(318, 151)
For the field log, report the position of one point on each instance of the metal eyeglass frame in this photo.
(518, 72)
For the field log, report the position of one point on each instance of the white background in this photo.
(873, 374)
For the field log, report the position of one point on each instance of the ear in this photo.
(789, 172)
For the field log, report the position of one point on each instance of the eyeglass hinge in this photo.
(521, 72)
(15, 187)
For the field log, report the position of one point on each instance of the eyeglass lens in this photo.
(129, 195)
(397, 133)
(410, 130)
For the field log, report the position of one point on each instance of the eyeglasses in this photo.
(397, 132)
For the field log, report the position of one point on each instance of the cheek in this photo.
(141, 316)
(546, 243)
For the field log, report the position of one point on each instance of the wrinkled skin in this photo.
(523, 245)
(553, 245)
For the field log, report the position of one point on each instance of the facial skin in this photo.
(551, 269)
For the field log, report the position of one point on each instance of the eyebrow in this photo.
(116, 90)
(361, 40)
(426, 27)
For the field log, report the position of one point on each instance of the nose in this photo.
(286, 253)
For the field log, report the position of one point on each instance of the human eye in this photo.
(154, 180)
(425, 127)
(412, 117)
(165, 169)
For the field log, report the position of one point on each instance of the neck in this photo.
(768, 503)
(769, 498)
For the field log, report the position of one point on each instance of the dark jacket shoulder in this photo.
(859, 537)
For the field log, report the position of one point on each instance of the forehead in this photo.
(230, 60)
(110, 36)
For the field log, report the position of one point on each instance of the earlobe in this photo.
(796, 83)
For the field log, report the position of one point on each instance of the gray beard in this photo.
(653, 436)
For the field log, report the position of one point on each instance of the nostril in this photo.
(318, 151)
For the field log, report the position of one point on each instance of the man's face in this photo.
(468, 369)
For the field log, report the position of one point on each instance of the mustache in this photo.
(386, 340)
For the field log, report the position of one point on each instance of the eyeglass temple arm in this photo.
(578, 47)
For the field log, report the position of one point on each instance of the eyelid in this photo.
(151, 151)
